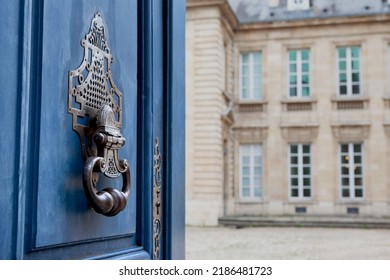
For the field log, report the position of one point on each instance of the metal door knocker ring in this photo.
(96, 105)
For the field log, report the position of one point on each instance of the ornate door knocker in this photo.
(94, 98)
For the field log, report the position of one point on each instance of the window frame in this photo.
(351, 174)
(348, 71)
(299, 73)
(388, 69)
(251, 155)
(250, 76)
(300, 166)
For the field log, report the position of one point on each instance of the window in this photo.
(388, 68)
(298, 5)
(250, 72)
(351, 159)
(349, 71)
(251, 171)
(224, 70)
(300, 171)
(299, 73)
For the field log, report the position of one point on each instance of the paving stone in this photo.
(287, 243)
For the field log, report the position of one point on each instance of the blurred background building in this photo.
(288, 109)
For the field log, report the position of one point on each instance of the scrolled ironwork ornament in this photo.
(157, 207)
(96, 106)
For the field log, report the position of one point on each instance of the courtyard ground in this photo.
(287, 243)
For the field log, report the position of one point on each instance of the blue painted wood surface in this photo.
(175, 128)
(10, 73)
(60, 200)
(44, 214)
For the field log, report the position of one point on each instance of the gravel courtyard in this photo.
(287, 243)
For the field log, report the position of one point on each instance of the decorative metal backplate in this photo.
(96, 106)
(91, 86)
(157, 207)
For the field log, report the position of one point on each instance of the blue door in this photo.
(92, 141)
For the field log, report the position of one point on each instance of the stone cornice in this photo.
(351, 132)
(227, 15)
(314, 22)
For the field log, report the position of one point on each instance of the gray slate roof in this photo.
(252, 11)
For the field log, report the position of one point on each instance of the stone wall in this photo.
(218, 121)
(206, 104)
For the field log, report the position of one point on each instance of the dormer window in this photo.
(298, 5)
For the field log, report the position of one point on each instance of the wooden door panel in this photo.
(60, 197)
(60, 212)
(44, 211)
(9, 136)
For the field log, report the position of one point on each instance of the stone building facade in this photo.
(288, 108)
